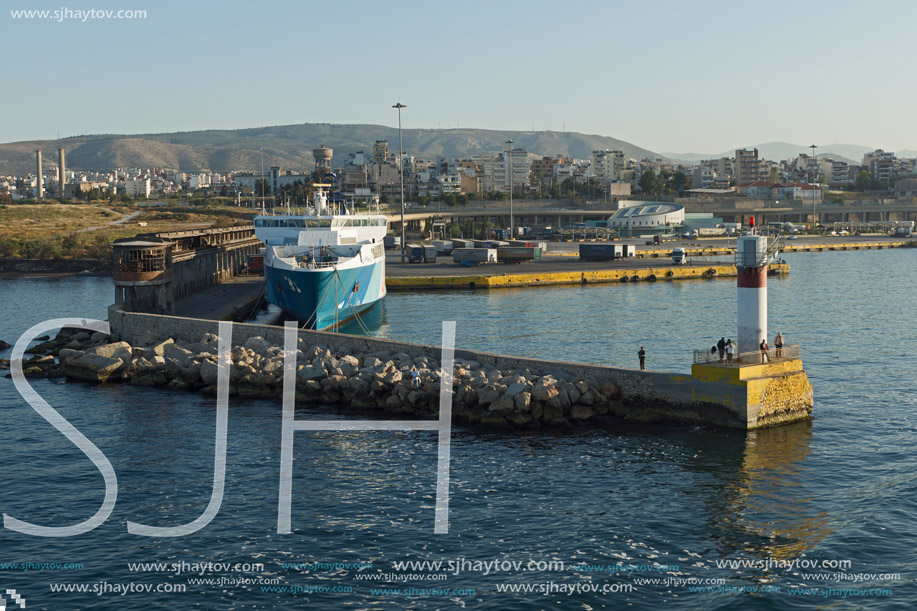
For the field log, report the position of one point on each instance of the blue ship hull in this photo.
(323, 298)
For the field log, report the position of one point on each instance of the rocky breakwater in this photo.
(381, 382)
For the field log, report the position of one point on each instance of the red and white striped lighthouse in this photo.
(751, 299)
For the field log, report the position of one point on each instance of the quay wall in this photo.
(646, 274)
(644, 396)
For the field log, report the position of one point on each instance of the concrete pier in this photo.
(153, 272)
(488, 276)
(748, 397)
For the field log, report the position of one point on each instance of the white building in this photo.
(137, 187)
(640, 215)
(608, 165)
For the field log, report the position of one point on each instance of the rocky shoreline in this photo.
(377, 381)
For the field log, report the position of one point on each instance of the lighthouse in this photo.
(752, 258)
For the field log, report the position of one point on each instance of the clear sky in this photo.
(665, 75)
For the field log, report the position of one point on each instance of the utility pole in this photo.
(511, 229)
(399, 106)
(815, 172)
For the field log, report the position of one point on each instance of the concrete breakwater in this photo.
(376, 375)
(504, 280)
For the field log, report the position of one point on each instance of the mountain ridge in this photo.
(778, 151)
(290, 147)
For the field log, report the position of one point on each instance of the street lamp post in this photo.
(399, 106)
(813, 147)
(511, 229)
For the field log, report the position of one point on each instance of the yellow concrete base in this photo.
(649, 274)
(770, 393)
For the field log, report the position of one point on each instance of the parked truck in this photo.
(467, 257)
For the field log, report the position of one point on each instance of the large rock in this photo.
(502, 407)
(488, 394)
(158, 349)
(522, 401)
(209, 372)
(311, 372)
(545, 390)
(258, 344)
(176, 353)
(67, 354)
(139, 366)
(514, 389)
(581, 412)
(117, 350)
(4, 345)
(392, 377)
(347, 368)
(93, 368)
(350, 360)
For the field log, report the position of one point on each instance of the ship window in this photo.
(259, 223)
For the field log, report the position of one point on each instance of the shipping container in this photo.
(474, 256)
(414, 253)
(601, 252)
(443, 247)
(458, 243)
(518, 254)
(391, 241)
(429, 253)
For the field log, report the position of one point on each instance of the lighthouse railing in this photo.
(759, 258)
(747, 358)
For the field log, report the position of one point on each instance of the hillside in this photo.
(289, 146)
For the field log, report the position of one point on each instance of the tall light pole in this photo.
(813, 147)
(399, 106)
(511, 229)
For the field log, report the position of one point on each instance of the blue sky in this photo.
(668, 76)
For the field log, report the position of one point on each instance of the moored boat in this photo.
(324, 267)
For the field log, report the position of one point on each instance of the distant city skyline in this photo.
(672, 77)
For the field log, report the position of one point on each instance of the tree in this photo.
(648, 183)
(775, 174)
(864, 181)
(679, 182)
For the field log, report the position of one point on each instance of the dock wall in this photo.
(644, 396)
(645, 274)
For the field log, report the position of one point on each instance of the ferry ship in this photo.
(325, 267)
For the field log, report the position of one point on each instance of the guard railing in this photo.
(756, 357)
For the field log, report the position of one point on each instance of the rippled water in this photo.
(842, 488)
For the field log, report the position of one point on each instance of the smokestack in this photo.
(62, 172)
(41, 186)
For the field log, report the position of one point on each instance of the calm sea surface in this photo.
(820, 514)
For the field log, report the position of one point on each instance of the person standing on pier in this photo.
(730, 351)
(721, 348)
(764, 348)
(778, 343)
(642, 354)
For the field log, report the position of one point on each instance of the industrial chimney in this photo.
(41, 186)
(62, 172)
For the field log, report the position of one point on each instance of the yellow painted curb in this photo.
(647, 274)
